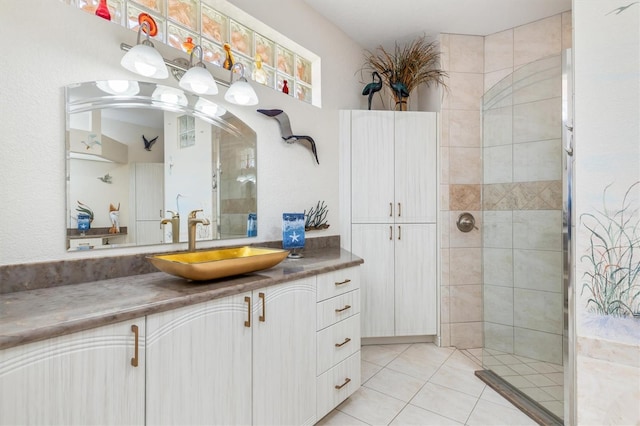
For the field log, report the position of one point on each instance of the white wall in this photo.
(68, 45)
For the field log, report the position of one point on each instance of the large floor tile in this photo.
(487, 413)
(421, 360)
(368, 370)
(381, 354)
(338, 418)
(445, 401)
(490, 395)
(372, 407)
(412, 415)
(461, 380)
(395, 384)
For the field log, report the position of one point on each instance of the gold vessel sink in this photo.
(218, 263)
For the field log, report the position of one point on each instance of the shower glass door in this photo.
(522, 239)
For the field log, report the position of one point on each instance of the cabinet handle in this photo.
(390, 209)
(343, 309)
(346, 381)
(161, 215)
(134, 360)
(399, 209)
(264, 313)
(347, 340)
(399, 232)
(390, 232)
(347, 281)
(247, 323)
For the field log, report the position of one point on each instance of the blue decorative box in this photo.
(292, 231)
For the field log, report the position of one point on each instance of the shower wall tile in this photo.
(498, 95)
(539, 80)
(466, 53)
(498, 164)
(459, 239)
(498, 226)
(445, 304)
(537, 161)
(444, 259)
(537, 40)
(537, 229)
(444, 231)
(498, 51)
(444, 165)
(464, 128)
(498, 266)
(542, 195)
(498, 129)
(466, 303)
(445, 335)
(465, 165)
(444, 51)
(538, 345)
(498, 304)
(494, 78)
(444, 127)
(538, 310)
(444, 197)
(465, 266)
(538, 269)
(466, 335)
(464, 197)
(536, 121)
(567, 30)
(465, 91)
(498, 337)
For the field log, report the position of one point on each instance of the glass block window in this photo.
(182, 24)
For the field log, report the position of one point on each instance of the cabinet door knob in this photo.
(347, 281)
(343, 309)
(134, 360)
(247, 323)
(346, 381)
(347, 340)
(262, 317)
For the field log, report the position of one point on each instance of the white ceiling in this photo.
(383, 22)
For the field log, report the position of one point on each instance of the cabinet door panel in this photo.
(284, 351)
(199, 364)
(415, 278)
(149, 193)
(415, 167)
(84, 378)
(374, 243)
(372, 166)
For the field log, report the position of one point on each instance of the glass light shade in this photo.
(146, 61)
(241, 93)
(169, 95)
(209, 108)
(199, 80)
(119, 87)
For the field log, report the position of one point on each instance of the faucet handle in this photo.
(194, 213)
(173, 214)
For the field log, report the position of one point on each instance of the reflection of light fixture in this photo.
(240, 92)
(144, 59)
(169, 95)
(209, 108)
(119, 87)
(198, 79)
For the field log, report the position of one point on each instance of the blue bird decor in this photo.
(285, 129)
(371, 88)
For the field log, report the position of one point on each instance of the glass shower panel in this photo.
(522, 238)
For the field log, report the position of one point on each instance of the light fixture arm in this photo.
(200, 62)
(232, 70)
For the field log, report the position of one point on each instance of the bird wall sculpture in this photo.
(373, 87)
(285, 129)
(149, 143)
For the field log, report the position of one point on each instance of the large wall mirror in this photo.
(141, 157)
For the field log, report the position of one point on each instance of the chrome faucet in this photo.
(175, 225)
(192, 222)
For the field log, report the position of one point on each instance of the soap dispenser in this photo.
(175, 225)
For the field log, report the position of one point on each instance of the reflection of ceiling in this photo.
(382, 22)
(145, 117)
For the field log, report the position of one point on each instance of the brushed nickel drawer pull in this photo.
(343, 309)
(399, 232)
(134, 360)
(399, 210)
(390, 209)
(347, 340)
(390, 232)
(346, 381)
(247, 323)
(347, 281)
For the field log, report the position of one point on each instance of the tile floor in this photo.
(422, 384)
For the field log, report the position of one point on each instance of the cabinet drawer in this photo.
(338, 308)
(337, 342)
(338, 384)
(338, 282)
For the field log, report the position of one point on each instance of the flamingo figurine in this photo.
(373, 87)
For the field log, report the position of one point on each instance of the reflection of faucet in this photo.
(192, 222)
(175, 225)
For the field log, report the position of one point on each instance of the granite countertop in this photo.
(32, 315)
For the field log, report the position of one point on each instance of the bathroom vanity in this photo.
(281, 346)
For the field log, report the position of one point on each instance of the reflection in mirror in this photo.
(141, 156)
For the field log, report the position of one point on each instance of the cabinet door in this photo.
(415, 279)
(415, 167)
(284, 350)
(372, 166)
(149, 194)
(84, 378)
(149, 232)
(374, 243)
(199, 364)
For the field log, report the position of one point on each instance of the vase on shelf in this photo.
(103, 10)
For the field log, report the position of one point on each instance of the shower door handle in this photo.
(569, 147)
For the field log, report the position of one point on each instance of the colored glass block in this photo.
(241, 38)
(264, 48)
(184, 12)
(285, 60)
(214, 24)
(177, 37)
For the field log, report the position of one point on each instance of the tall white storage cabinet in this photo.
(147, 195)
(389, 210)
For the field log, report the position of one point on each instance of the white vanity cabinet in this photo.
(147, 195)
(84, 378)
(389, 164)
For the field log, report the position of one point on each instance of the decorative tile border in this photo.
(545, 195)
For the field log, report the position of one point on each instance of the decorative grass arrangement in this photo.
(406, 68)
(317, 217)
(614, 258)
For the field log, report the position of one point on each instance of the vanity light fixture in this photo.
(144, 59)
(197, 79)
(240, 92)
(209, 108)
(169, 96)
